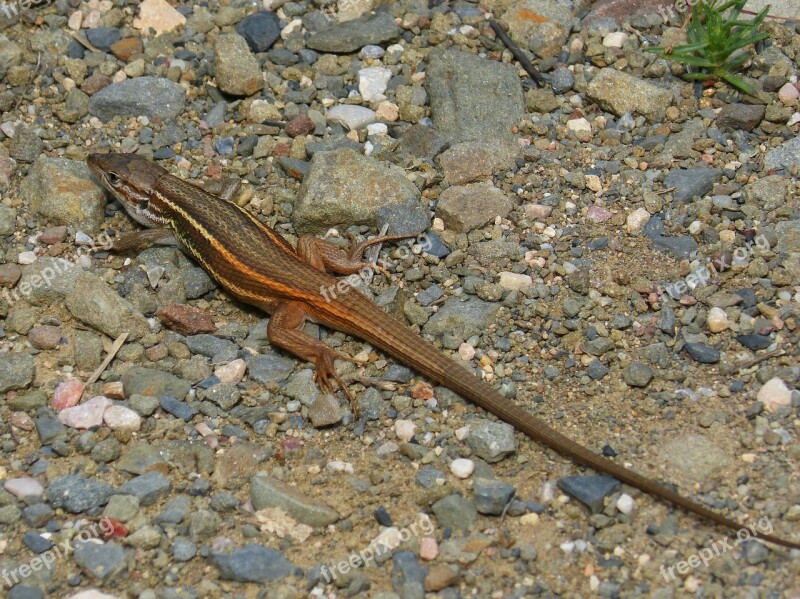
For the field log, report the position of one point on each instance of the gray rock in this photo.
(183, 549)
(692, 183)
(140, 457)
(768, 192)
(324, 411)
(419, 142)
(96, 304)
(175, 511)
(596, 370)
(408, 576)
(141, 96)
(637, 374)
(589, 490)
(26, 146)
(266, 492)
(235, 67)
(147, 488)
(253, 563)
(473, 98)
(16, 371)
(620, 93)
(700, 352)
(122, 507)
(466, 207)
(562, 80)
(77, 494)
(456, 512)
(260, 30)
(695, 457)
(345, 188)
(177, 408)
(462, 319)
(153, 382)
(225, 395)
(353, 35)
(63, 192)
(10, 56)
(269, 368)
(472, 161)
(492, 496)
(219, 350)
(46, 281)
(492, 441)
(741, 116)
(788, 232)
(785, 156)
(599, 346)
(48, 427)
(542, 26)
(8, 221)
(100, 560)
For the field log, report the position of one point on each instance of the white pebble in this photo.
(466, 351)
(120, 418)
(717, 320)
(372, 83)
(339, 466)
(625, 503)
(515, 281)
(462, 467)
(87, 415)
(615, 39)
(377, 129)
(578, 125)
(351, 116)
(404, 429)
(232, 372)
(774, 395)
(24, 487)
(637, 220)
(26, 257)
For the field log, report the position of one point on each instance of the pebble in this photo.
(120, 418)
(625, 504)
(703, 353)
(67, 394)
(774, 394)
(589, 490)
(372, 83)
(351, 116)
(717, 320)
(87, 415)
(23, 487)
(404, 429)
(492, 441)
(462, 467)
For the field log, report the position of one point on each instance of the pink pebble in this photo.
(68, 394)
(86, 415)
(24, 487)
(428, 548)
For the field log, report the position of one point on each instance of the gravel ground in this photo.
(618, 251)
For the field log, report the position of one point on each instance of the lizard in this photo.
(258, 266)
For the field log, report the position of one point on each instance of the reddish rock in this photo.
(54, 235)
(623, 10)
(45, 336)
(127, 47)
(156, 353)
(186, 320)
(114, 390)
(68, 394)
(95, 83)
(299, 125)
(282, 149)
(9, 274)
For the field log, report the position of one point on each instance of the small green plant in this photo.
(714, 39)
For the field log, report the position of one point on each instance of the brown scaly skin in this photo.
(259, 267)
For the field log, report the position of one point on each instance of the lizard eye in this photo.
(113, 178)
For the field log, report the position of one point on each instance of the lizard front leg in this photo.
(285, 331)
(325, 256)
(136, 241)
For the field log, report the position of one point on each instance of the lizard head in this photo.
(132, 179)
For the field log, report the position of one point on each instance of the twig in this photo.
(518, 54)
(85, 43)
(776, 17)
(115, 347)
(667, 190)
(750, 363)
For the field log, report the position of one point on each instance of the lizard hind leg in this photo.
(285, 331)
